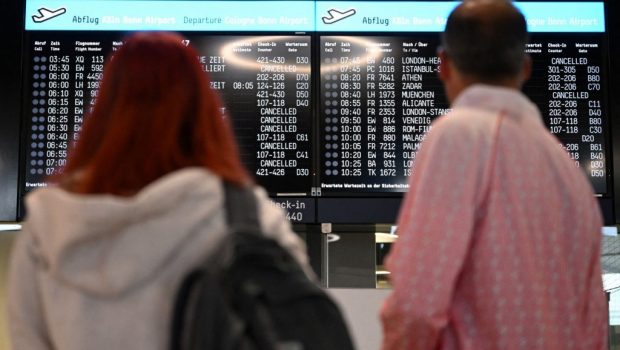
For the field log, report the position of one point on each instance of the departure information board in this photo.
(264, 80)
(329, 100)
(379, 95)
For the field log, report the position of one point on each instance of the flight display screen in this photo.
(264, 81)
(327, 99)
(379, 95)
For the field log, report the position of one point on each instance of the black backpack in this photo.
(252, 295)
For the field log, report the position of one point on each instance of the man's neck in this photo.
(510, 83)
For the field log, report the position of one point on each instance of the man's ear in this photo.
(526, 70)
(444, 71)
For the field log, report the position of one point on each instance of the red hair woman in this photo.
(139, 203)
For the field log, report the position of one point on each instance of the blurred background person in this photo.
(139, 203)
(499, 235)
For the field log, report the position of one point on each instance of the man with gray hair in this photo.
(499, 235)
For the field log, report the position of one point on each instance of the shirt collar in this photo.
(498, 99)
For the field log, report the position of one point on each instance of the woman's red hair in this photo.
(155, 113)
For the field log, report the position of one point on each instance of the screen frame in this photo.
(613, 31)
(11, 132)
(10, 105)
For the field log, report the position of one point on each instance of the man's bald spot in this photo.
(486, 39)
(487, 11)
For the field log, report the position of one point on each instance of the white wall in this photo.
(361, 309)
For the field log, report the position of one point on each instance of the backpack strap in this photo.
(241, 208)
(181, 315)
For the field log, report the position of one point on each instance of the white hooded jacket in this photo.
(101, 271)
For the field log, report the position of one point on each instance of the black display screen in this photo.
(379, 95)
(265, 82)
(377, 98)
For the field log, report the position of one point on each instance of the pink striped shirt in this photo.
(499, 237)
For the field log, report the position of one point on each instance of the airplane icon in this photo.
(44, 14)
(336, 15)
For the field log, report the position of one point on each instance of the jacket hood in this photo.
(107, 245)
